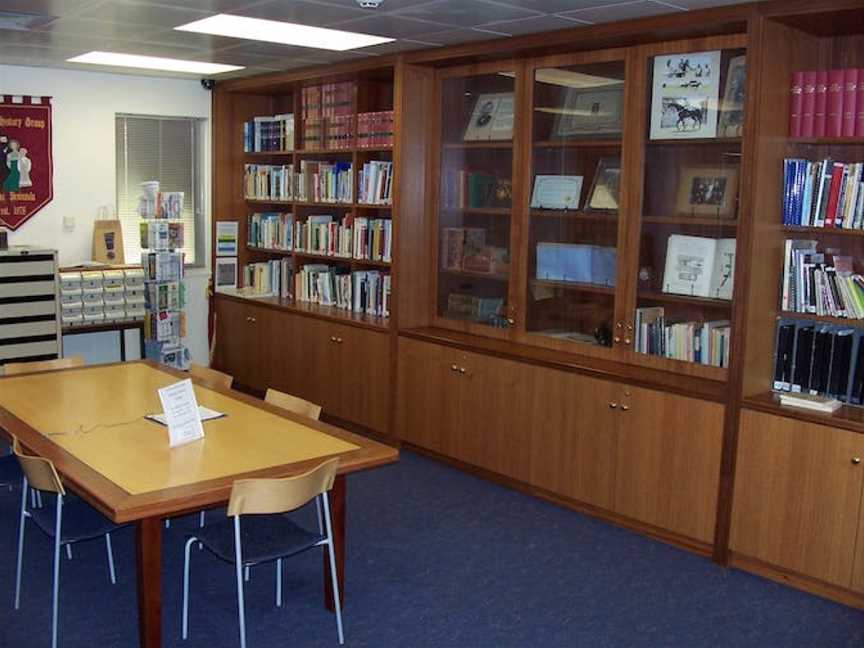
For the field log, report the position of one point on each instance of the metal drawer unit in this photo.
(29, 316)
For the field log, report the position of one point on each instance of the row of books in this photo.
(269, 133)
(274, 278)
(327, 100)
(819, 283)
(313, 181)
(823, 194)
(375, 183)
(271, 230)
(341, 132)
(161, 234)
(359, 292)
(705, 343)
(816, 358)
(350, 238)
(268, 182)
(375, 129)
(827, 103)
(466, 249)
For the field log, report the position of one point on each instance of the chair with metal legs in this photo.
(268, 535)
(83, 522)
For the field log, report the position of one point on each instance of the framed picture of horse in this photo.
(708, 191)
(685, 94)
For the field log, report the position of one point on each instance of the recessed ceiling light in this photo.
(153, 63)
(285, 33)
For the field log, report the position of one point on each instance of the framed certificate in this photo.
(556, 192)
(590, 112)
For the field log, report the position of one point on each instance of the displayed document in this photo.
(556, 192)
(181, 413)
(205, 413)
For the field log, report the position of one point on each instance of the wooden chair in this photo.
(211, 377)
(268, 534)
(293, 404)
(89, 524)
(15, 368)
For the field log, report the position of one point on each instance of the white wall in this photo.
(84, 107)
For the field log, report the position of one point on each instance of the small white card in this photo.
(205, 413)
(181, 413)
(556, 192)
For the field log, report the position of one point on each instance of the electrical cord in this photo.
(108, 426)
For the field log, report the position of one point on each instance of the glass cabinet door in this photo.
(572, 235)
(695, 116)
(475, 198)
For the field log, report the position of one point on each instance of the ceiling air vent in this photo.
(22, 21)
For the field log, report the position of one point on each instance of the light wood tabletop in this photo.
(90, 423)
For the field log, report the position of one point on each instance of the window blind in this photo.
(166, 149)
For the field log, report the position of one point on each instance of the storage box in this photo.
(91, 280)
(113, 279)
(70, 282)
(114, 296)
(71, 299)
(94, 313)
(577, 263)
(115, 312)
(134, 277)
(93, 297)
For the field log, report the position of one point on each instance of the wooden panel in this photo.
(496, 415)
(858, 570)
(797, 495)
(427, 397)
(575, 432)
(245, 334)
(668, 461)
(360, 377)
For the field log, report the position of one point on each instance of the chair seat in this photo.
(264, 538)
(80, 520)
(10, 471)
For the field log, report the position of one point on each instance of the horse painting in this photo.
(685, 113)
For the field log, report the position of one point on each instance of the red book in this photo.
(859, 119)
(833, 194)
(834, 118)
(795, 104)
(808, 104)
(821, 103)
(850, 100)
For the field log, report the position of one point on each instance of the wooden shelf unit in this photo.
(581, 396)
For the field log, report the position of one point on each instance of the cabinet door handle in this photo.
(454, 367)
(626, 340)
(625, 408)
(332, 338)
(617, 339)
(612, 405)
(461, 370)
(251, 320)
(856, 460)
(338, 340)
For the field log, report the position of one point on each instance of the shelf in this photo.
(490, 211)
(339, 259)
(685, 299)
(691, 221)
(828, 319)
(478, 275)
(609, 216)
(823, 230)
(697, 141)
(330, 313)
(307, 203)
(478, 145)
(579, 143)
(263, 201)
(266, 153)
(827, 140)
(575, 285)
(371, 206)
(345, 151)
(848, 417)
(280, 251)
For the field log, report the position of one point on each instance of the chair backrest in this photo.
(15, 368)
(40, 472)
(266, 496)
(211, 377)
(293, 404)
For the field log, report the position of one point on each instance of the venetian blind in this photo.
(166, 149)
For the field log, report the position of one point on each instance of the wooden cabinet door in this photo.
(496, 415)
(242, 344)
(316, 357)
(361, 377)
(668, 461)
(797, 496)
(574, 435)
(427, 396)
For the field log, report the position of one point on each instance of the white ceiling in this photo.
(146, 27)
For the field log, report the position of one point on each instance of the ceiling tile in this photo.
(557, 6)
(459, 13)
(389, 25)
(622, 11)
(139, 13)
(33, 55)
(701, 4)
(532, 25)
(47, 7)
(82, 27)
(456, 36)
(386, 5)
(190, 40)
(273, 50)
(215, 6)
(404, 45)
(305, 13)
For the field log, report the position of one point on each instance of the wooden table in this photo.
(89, 422)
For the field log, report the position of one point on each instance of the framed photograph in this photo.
(708, 191)
(606, 186)
(684, 96)
(225, 274)
(590, 112)
(491, 118)
(226, 238)
(734, 92)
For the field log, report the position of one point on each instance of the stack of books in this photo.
(319, 181)
(827, 194)
(821, 284)
(272, 278)
(373, 239)
(375, 129)
(365, 292)
(375, 183)
(328, 116)
(827, 103)
(272, 231)
(705, 343)
(269, 182)
(274, 133)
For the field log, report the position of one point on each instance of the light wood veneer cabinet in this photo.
(798, 496)
(643, 454)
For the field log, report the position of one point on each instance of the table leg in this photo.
(122, 333)
(337, 514)
(141, 340)
(149, 555)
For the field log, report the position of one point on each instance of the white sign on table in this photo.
(181, 413)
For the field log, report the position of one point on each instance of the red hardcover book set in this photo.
(827, 103)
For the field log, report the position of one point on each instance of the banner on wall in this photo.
(26, 167)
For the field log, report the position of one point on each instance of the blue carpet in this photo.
(435, 558)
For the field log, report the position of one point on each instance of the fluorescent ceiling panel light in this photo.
(153, 63)
(285, 33)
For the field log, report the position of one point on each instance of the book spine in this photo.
(859, 104)
(850, 101)
(821, 103)
(834, 117)
(808, 105)
(796, 104)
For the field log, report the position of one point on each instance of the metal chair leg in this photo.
(201, 518)
(22, 520)
(55, 602)
(69, 552)
(247, 573)
(335, 580)
(167, 524)
(279, 582)
(189, 543)
(111, 573)
(238, 565)
(320, 520)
